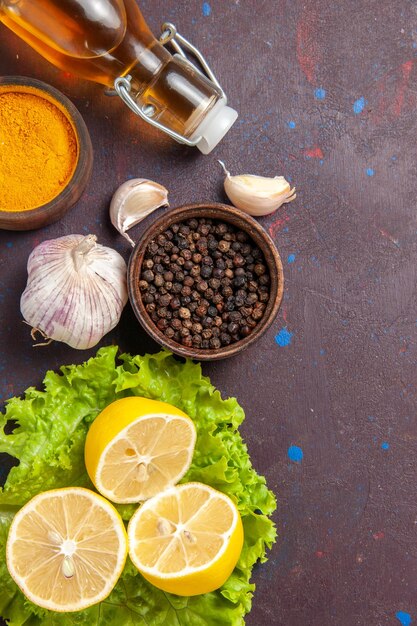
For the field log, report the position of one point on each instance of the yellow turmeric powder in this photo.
(38, 149)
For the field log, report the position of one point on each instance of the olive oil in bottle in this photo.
(107, 40)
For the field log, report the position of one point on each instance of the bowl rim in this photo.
(82, 171)
(222, 212)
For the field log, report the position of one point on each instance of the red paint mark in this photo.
(278, 225)
(307, 49)
(378, 535)
(402, 88)
(320, 555)
(392, 93)
(314, 153)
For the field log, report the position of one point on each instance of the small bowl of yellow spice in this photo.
(46, 156)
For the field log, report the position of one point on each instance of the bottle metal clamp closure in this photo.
(122, 84)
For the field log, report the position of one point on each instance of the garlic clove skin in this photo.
(257, 195)
(134, 200)
(76, 290)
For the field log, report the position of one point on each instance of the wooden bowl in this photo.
(238, 219)
(57, 207)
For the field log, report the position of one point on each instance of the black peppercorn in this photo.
(148, 275)
(227, 292)
(164, 300)
(246, 311)
(196, 341)
(176, 324)
(162, 324)
(201, 311)
(225, 339)
(206, 271)
(202, 285)
(257, 314)
(207, 322)
(241, 236)
(223, 245)
(239, 282)
(175, 303)
(169, 332)
(186, 291)
(215, 343)
(148, 298)
(158, 280)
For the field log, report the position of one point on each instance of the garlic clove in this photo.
(133, 201)
(257, 195)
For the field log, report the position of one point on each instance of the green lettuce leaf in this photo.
(48, 442)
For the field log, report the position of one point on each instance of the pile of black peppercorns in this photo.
(204, 283)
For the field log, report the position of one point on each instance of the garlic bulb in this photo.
(76, 290)
(133, 201)
(257, 195)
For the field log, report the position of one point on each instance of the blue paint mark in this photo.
(414, 44)
(320, 93)
(371, 418)
(404, 618)
(286, 229)
(206, 9)
(385, 445)
(359, 105)
(9, 244)
(284, 337)
(291, 124)
(394, 157)
(295, 454)
(322, 351)
(370, 171)
(321, 161)
(291, 258)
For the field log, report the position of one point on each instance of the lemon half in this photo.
(66, 549)
(186, 540)
(137, 447)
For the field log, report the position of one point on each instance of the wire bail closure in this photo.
(122, 84)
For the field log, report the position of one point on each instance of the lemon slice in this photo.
(66, 549)
(186, 540)
(137, 447)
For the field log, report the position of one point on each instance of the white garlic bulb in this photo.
(76, 290)
(133, 201)
(257, 195)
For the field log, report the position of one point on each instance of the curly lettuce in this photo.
(48, 442)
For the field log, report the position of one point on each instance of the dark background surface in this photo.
(327, 97)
